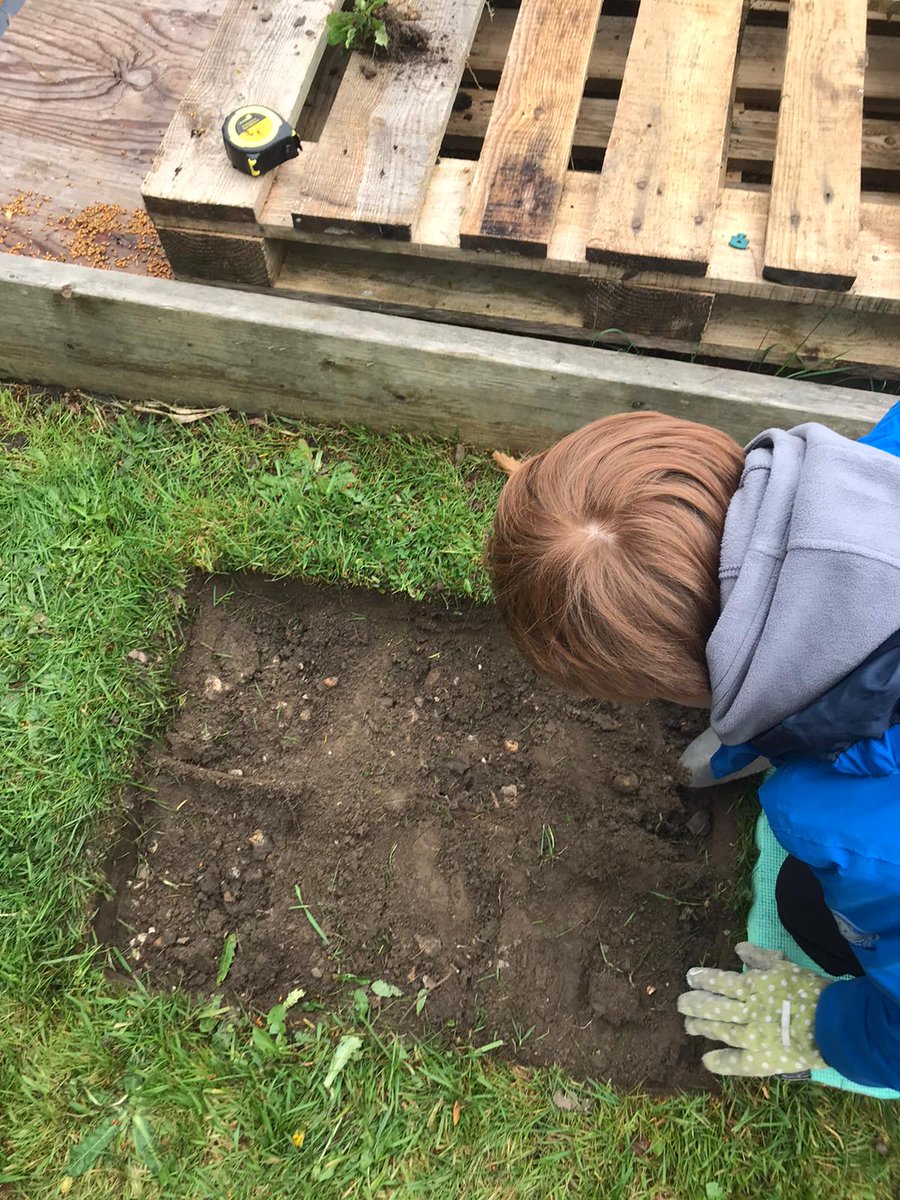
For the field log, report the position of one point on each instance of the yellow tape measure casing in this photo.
(258, 139)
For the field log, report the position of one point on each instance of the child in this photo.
(648, 558)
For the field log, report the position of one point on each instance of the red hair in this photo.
(604, 555)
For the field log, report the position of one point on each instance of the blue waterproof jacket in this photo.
(834, 803)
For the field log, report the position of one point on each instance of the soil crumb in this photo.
(454, 826)
(406, 37)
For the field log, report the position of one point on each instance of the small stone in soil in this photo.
(261, 843)
(428, 944)
(317, 972)
(628, 782)
(699, 824)
(137, 656)
(214, 687)
(509, 792)
(331, 681)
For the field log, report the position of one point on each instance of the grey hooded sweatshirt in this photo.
(809, 574)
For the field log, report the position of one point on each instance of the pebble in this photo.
(261, 843)
(138, 656)
(429, 944)
(331, 681)
(511, 746)
(305, 714)
(236, 772)
(317, 972)
(214, 687)
(509, 791)
(627, 782)
(699, 824)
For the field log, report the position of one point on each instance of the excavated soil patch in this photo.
(453, 824)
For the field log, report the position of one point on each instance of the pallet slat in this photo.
(751, 143)
(813, 234)
(259, 54)
(518, 182)
(760, 70)
(369, 170)
(666, 156)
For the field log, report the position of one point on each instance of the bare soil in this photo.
(454, 825)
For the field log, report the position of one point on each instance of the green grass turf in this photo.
(103, 516)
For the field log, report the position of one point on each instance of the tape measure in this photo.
(257, 139)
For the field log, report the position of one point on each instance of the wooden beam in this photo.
(184, 343)
(760, 69)
(370, 169)
(261, 53)
(813, 234)
(751, 143)
(519, 179)
(666, 156)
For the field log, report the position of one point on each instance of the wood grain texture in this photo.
(743, 209)
(260, 53)
(751, 145)
(666, 156)
(180, 343)
(518, 182)
(806, 335)
(223, 258)
(813, 234)
(370, 168)
(94, 85)
(760, 71)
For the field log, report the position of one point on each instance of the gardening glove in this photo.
(696, 762)
(767, 1013)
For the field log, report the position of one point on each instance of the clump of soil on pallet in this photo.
(454, 826)
(406, 37)
(407, 40)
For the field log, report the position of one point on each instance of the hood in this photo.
(809, 574)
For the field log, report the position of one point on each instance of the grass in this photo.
(102, 519)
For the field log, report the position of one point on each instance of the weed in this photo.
(547, 848)
(307, 912)
(359, 28)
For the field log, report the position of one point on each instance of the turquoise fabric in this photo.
(765, 929)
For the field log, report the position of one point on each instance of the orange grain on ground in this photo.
(105, 236)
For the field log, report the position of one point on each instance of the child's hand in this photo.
(767, 1014)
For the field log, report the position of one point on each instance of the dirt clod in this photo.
(521, 891)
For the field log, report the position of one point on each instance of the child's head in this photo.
(605, 551)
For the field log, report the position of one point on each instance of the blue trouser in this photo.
(808, 919)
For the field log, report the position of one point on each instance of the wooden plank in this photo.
(167, 341)
(518, 183)
(87, 91)
(666, 156)
(223, 258)
(262, 53)
(805, 337)
(760, 70)
(369, 170)
(744, 209)
(751, 143)
(812, 238)
(878, 10)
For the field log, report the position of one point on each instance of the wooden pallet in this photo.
(577, 169)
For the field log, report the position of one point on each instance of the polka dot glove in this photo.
(767, 1014)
